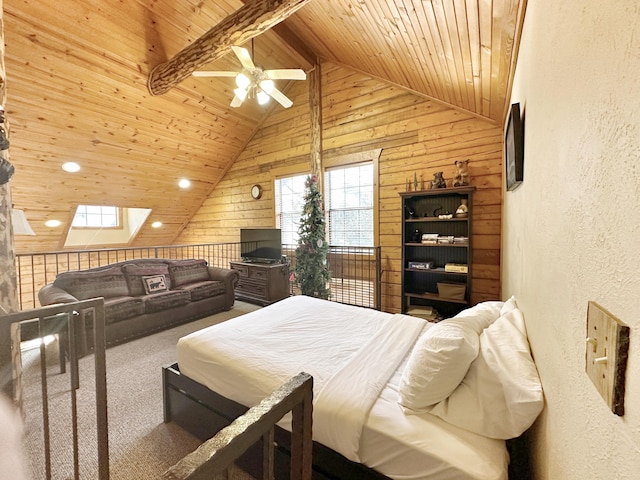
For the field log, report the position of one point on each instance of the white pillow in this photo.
(481, 315)
(437, 364)
(501, 395)
(509, 305)
(441, 357)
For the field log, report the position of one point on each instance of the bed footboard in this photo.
(203, 413)
(216, 455)
(194, 407)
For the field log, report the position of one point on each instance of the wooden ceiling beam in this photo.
(295, 43)
(249, 21)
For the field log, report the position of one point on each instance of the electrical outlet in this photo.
(606, 355)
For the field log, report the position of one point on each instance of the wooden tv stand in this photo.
(262, 283)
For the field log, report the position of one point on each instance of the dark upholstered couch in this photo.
(145, 295)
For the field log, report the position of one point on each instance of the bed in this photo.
(394, 396)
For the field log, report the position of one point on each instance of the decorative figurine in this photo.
(438, 181)
(410, 211)
(415, 182)
(463, 209)
(461, 178)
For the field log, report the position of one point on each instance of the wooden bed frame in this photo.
(218, 454)
(203, 413)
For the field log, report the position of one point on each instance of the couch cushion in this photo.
(183, 272)
(200, 290)
(165, 300)
(134, 273)
(107, 283)
(121, 308)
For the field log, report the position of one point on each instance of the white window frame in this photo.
(292, 183)
(97, 212)
(336, 206)
(330, 162)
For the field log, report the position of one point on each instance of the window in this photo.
(289, 197)
(349, 205)
(348, 198)
(96, 216)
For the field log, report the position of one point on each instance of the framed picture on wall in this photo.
(514, 148)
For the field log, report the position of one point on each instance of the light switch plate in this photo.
(606, 356)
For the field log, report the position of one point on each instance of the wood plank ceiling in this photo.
(77, 73)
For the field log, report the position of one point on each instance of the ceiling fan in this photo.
(252, 81)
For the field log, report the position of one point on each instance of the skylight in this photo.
(104, 225)
(96, 216)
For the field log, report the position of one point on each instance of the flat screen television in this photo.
(514, 148)
(260, 245)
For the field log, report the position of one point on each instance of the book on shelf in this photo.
(456, 268)
(425, 312)
(421, 265)
(430, 238)
(445, 239)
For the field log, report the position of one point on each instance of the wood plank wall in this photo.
(416, 135)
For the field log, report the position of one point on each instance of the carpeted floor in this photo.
(141, 445)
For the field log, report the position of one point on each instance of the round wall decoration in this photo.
(256, 192)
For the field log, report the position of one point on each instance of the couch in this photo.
(143, 296)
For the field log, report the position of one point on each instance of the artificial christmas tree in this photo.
(312, 273)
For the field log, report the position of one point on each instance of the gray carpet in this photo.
(141, 445)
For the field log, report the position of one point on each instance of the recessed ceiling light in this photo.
(71, 167)
(184, 183)
(53, 223)
(156, 224)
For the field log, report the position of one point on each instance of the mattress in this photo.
(248, 357)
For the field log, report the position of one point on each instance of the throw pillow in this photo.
(134, 273)
(154, 284)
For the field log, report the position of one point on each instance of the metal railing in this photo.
(355, 277)
(355, 274)
(62, 321)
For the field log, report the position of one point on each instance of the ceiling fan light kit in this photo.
(240, 93)
(242, 81)
(254, 82)
(262, 97)
(267, 85)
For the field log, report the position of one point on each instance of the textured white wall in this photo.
(571, 231)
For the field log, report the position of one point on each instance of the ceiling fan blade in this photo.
(286, 74)
(213, 73)
(244, 57)
(236, 102)
(281, 98)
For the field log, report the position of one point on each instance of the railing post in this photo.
(62, 319)
(378, 283)
(301, 437)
